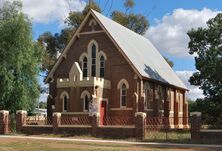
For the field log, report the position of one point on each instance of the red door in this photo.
(103, 107)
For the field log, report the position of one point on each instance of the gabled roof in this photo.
(141, 53)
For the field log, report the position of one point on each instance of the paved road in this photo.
(111, 141)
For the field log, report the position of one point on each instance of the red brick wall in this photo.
(116, 68)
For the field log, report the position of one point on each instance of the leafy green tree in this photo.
(169, 62)
(75, 18)
(135, 22)
(56, 43)
(206, 44)
(43, 105)
(20, 60)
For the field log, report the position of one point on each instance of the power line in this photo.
(110, 8)
(107, 1)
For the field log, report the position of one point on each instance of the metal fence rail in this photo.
(167, 129)
(80, 120)
(118, 120)
(38, 120)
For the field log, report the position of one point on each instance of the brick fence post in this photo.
(95, 122)
(140, 125)
(20, 119)
(56, 121)
(195, 126)
(4, 121)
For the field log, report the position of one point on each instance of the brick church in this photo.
(109, 69)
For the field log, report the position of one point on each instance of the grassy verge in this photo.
(171, 136)
(46, 145)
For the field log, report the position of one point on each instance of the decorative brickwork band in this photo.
(56, 121)
(21, 116)
(140, 125)
(195, 126)
(4, 116)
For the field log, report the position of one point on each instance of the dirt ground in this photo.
(15, 144)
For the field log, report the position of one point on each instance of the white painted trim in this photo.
(89, 51)
(162, 111)
(149, 110)
(58, 114)
(140, 114)
(76, 126)
(21, 112)
(64, 93)
(92, 21)
(101, 53)
(121, 109)
(91, 32)
(95, 113)
(121, 106)
(83, 95)
(5, 112)
(37, 125)
(117, 126)
(180, 113)
(82, 57)
(74, 113)
(99, 69)
(119, 85)
(195, 113)
(85, 92)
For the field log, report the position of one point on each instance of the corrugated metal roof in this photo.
(141, 52)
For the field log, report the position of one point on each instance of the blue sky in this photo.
(169, 22)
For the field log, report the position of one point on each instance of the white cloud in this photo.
(194, 91)
(170, 33)
(43, 97)
(45, 11)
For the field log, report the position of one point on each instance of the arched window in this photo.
(64, 98)
(123, 95)
(65, 103)
(86, 103)
(84, 67)
(102, 66)
(93, 56)
(92, 23)
(93, 26)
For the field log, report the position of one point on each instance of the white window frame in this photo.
(62, 96)
(83, 94)
(101, 67)
(121, 95)
(84, 68)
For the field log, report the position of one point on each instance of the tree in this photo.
(54, 44)
(135, 22)
(21, 58)
(206, 43)
(43, 105)
(169, 62)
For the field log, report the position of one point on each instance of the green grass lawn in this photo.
(12, 144)
(171, 136)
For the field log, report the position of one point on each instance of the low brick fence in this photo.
(122, 127)
(115, 127)
(203, 135)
